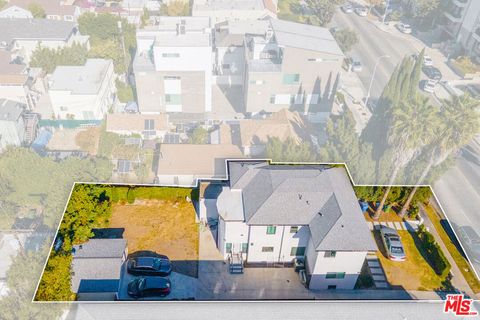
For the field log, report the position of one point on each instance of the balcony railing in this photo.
(454, 16)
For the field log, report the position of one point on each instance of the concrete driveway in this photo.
(183, 287)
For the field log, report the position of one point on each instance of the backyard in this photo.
(164, 226)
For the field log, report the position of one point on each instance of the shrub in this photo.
(131, 195)
(433, 253)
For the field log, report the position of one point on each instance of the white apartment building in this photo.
(173, 66)
(82, 92)
(227, 10)
(12, 124)
(275, 213)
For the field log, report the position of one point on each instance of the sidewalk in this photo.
(458, 281)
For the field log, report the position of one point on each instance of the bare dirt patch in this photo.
(164, 226)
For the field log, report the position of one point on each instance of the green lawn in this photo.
(460, 260)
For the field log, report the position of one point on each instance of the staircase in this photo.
(31, 125)
(235, 263)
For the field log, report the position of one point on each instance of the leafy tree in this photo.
(144, 18)
(424, 8)
(106, 38)
(198, 136)
(3, 3)
(124, 91)
(456, 125)
(176, 8)
(288, 151)
(322, 10)
(410, 130)
(36, 10)
(346, 39)
(48, 59)
(131, 195)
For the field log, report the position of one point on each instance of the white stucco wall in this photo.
(236, 233)
(282, 242)
(15, 93)
(349, 262)
(219, 15)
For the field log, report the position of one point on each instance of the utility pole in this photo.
(373, 76)
(387, 4)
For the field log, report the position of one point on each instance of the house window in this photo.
(297, 251)
(244, 247)
(294, 229)
(257, 81)
(228, 247)
(332, 287)
(330, 254)
(170, 55)
(173, 99)
(267, 249)
(272, 99)
(335, 275)
(149, 124)
(291, 78)
(271, 229)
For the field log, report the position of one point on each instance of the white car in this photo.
(429, 86)
(347, 8)
(356, 65)
(361, 11)
(427, 61)
(404, 28)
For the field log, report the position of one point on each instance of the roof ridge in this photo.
(336, 220)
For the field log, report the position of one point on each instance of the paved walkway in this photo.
(409, 225)
(378, 275)
(458, 280)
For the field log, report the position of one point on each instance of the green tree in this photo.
(124, 91)
(198, 136)
(346, 39)
(36, 10)
(3, 3)
(424, 8)
(48, 59)
(411, 129)
(322, 11)
(288, 151)
(176, 8)
(456, 125)
(144, 18)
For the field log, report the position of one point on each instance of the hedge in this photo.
(129, 194)
(434, 254)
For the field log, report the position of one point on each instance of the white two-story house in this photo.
(276, 213)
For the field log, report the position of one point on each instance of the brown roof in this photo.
(51, 7)
(135, 122)
(283, 125)
(201, 160)
(9, 68)
(269, 5)
(13, 79)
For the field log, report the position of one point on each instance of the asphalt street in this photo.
(372, 44)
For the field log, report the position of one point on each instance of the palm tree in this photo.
(459, 122)
(411, 129)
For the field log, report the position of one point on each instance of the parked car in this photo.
(404, 28)
(347, 8)
(392, 243)
(432, 73)
(427, 61)
(428, 85)
(361, 11)
(356, 65)
(149, 266)
(149, 287)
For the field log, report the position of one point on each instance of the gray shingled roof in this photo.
(10, 110)
(37, 29)
(304, 36)
(314, 195)
(100, 248)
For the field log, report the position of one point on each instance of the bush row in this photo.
(434, 254)
(129, 194)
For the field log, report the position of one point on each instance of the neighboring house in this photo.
(96, 268)
(227, 10)
(23, 36)
(82, 92)
(173, 67)
(138, 6)
(10, 246)
(183, 164)
(17, 81)
(275, 213)
(147, 126)
(294, 66)
(252, 135)
(12, 123)
(54, 10)
(463, 24)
